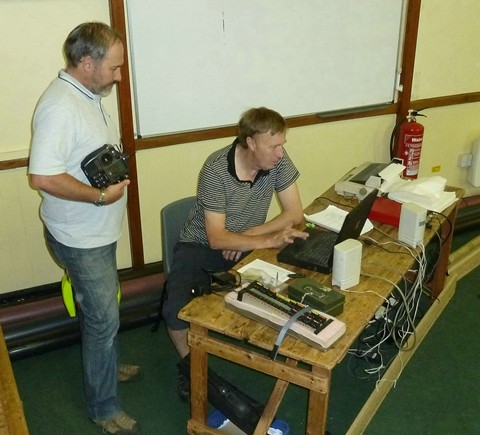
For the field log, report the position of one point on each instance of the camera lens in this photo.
(107, 158)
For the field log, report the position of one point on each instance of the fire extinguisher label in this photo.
(412, 150)
(410, 138)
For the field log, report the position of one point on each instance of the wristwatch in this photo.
(100, 202)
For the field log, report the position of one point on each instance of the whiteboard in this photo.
(200, 64)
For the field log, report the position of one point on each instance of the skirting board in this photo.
(465, 259)
(394, 371)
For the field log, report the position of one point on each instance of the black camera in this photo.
(219, 281)
(200, 290)
(104, 166)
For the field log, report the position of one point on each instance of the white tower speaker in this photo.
(347, 259)
(412, 224)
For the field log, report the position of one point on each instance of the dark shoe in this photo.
(183, 387)
(129, 373)
(121, 424)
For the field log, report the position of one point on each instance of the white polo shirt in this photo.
(69, 123)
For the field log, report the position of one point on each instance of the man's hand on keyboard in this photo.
(277, 239)
(286, 236)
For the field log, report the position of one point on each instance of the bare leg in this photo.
(179, 339)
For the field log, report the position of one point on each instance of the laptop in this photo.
(316, 252)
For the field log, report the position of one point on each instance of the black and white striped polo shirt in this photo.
(244, 203)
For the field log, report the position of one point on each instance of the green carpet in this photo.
(436, 393)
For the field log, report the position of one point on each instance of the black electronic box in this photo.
(104, 166)
(320, 297)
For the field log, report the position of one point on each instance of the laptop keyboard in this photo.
(319, 252)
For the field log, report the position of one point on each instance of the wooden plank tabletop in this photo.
(12, 419)
(382, 267)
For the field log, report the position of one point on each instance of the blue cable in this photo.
(285, 328)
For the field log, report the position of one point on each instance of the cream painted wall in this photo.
(32, 32)
(449, 132)
(448, 49)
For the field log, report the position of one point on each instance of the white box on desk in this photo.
(412, 224)
(347, 259)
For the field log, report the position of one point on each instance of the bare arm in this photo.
(67, 187)
(273, 234)
(291, 214)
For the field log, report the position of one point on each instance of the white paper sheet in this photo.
(426, 192)
(332, 218)
(267, 272)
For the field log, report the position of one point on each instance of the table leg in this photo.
(318, 405)
(440, 274)
(198, 378)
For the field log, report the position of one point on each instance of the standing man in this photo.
(235, 189)
(83, 223)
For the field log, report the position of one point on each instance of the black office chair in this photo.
(172, 218)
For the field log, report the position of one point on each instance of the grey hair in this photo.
(89, 39)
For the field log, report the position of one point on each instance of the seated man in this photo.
(235, 189)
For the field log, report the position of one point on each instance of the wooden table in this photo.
(208, 313)
(12, 419)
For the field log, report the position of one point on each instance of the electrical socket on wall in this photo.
(465, 160)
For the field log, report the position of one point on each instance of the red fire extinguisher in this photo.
(408, 144)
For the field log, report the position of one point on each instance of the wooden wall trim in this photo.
(173, 139)
(117, 13)
(450, 100)
(13, 164)
(408, 58)
(231, 130)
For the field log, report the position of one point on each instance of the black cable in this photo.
(432, 269)
(450, 225)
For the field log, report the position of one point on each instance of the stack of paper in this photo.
(266, 273)
(425, 192)
(332, 218)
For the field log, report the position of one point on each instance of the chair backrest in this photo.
(173, 217)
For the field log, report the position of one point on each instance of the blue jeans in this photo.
(93, 273)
